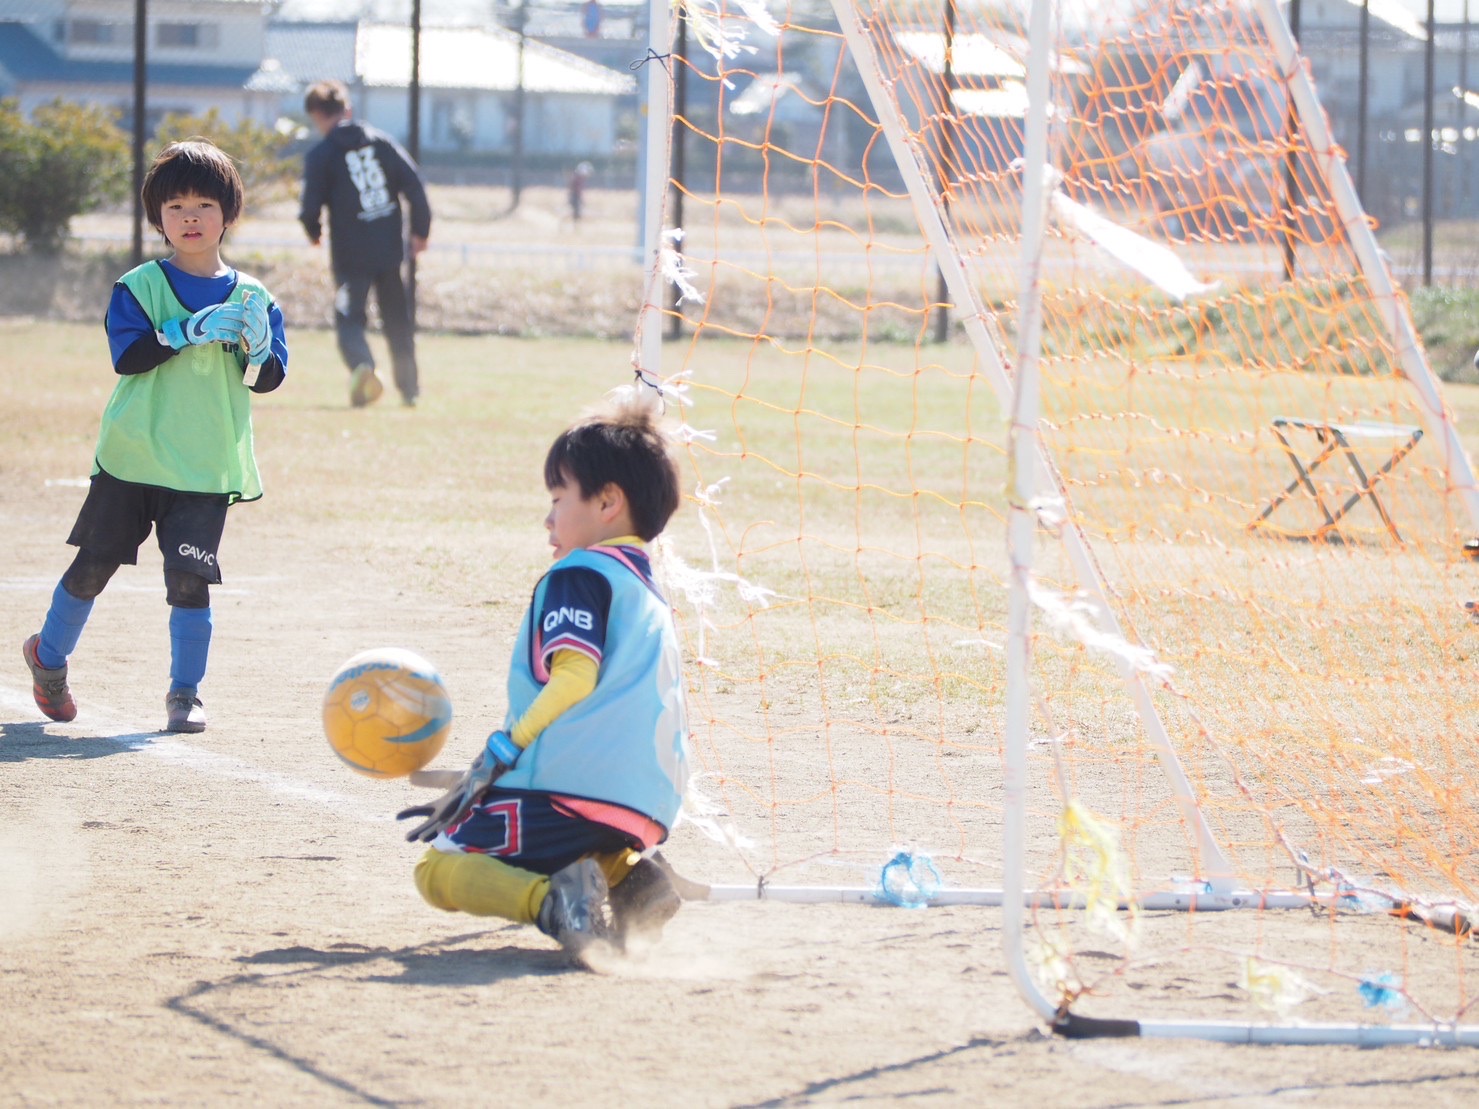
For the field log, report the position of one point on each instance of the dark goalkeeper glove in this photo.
(497, 756)
(220, 323)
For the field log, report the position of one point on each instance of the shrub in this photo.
(67, 160)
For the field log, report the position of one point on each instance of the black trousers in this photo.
(350, 301)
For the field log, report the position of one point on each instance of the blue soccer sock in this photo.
(189, 644)
(65, 620)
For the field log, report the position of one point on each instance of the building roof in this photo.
(548, 14)
(28, 58)
(977, 54)
(767, 93)
(478, 58)
(373, 55)
(1346, 15)
(272, 77)
(309, 51)
(444, 13)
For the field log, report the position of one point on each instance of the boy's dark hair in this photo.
(198, 167)
(329, 98)
(625, 448)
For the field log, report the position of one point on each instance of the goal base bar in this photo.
(1444, 918)
(1071, 1026)
(1188, 901)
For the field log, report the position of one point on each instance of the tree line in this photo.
(68, 159)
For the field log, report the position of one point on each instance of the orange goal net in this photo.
(1254, 683)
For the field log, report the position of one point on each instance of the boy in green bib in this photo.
(191, 340)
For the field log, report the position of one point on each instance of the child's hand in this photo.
(220, 323)
(497, 756)
(256, 334)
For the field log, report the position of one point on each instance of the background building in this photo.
(482, 82)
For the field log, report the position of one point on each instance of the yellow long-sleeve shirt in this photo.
(572, 678)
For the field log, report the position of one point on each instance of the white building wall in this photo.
(570, 124)
(234, 105)
(554, 123)
(385, 108)
(232, 30)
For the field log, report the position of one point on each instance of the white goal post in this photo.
(1075, 219)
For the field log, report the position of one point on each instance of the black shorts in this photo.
(116, 517)
(532, 831)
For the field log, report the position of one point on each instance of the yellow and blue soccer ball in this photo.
(386, 712)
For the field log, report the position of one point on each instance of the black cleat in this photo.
(574, 911)
(642, 903)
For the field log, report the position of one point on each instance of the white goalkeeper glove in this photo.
(256, 332)
(220, 323)
(256, 335)
(497, 756)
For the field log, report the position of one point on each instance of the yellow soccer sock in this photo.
(616, 865)
(481, 885)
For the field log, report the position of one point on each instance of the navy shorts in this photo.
(531, 831)
(117, 515)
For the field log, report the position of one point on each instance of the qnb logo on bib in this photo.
(577, 616)
(368, 176)
(196, 553)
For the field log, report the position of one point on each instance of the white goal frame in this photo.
(1215, 887)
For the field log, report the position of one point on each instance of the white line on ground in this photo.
(102, 723)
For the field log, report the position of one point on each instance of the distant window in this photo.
(187, 36)
(94, 32)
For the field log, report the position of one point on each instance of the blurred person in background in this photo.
(362, 175)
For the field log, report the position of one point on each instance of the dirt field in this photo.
(230, 918)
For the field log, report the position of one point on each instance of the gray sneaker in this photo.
(574, 910)
(48, 686)
(184, 712)
(364, 387)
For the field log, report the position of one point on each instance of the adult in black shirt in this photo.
(362, 174)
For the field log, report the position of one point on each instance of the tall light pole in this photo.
(1463, 116)
(943, 167)
(518, 152)
(1291, 176)
(679, 159)
(1428, 91)
(1363, 98)
(413, 140)
(141, 100)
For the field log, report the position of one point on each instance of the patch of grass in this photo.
(1447, 320)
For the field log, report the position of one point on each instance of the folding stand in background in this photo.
(1333, 438)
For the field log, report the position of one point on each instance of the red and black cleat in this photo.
(49, 686)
